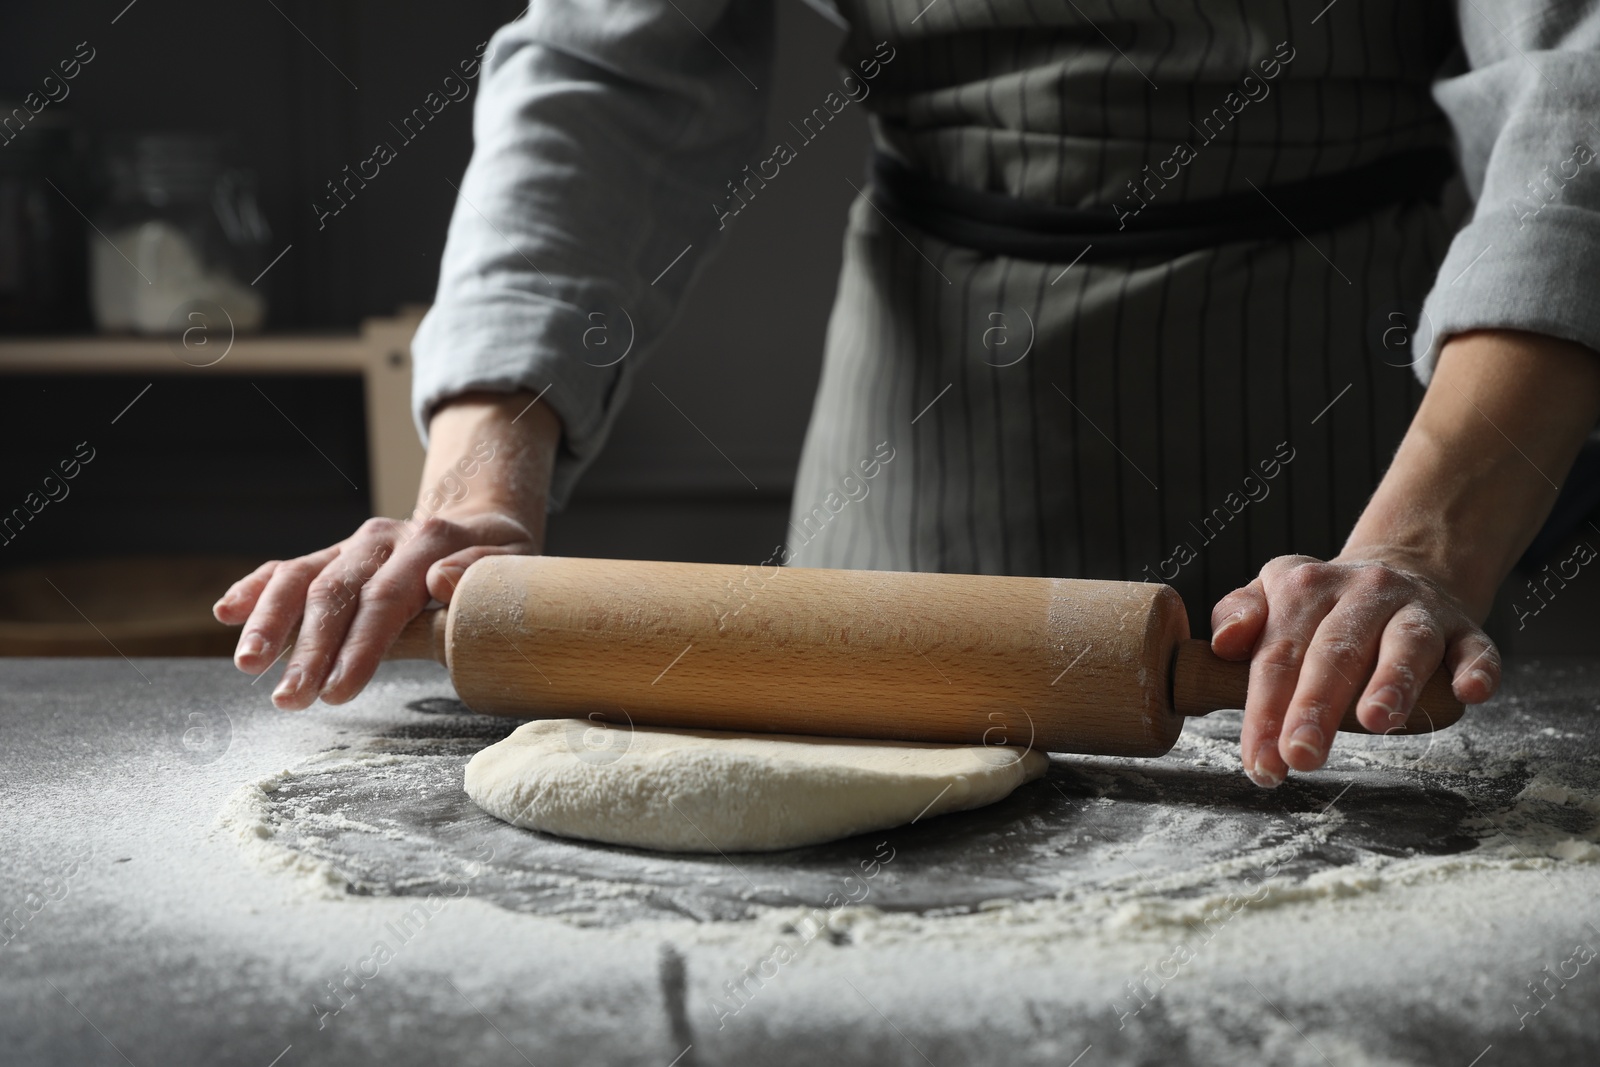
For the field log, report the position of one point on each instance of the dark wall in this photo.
(305, 87)
(273, 76)
(160, 464)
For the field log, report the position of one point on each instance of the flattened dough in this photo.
(707, 791)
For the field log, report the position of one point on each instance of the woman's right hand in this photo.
(484, 490)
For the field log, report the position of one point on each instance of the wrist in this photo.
(490, 454)
(1478, 470)
(1432, 518)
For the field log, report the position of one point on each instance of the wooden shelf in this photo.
(380, 352)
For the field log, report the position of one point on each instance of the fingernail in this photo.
(451, 575)
(1387, 700)
(1482, 677)
(335, 678)
(1263, 776)
(250, 644)
(1227, 624)
(289, 684)
(1308, 738)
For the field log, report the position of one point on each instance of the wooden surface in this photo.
(1060, 664)
(423, 638)
(381, 353)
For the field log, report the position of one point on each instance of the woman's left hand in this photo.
(1320, 634)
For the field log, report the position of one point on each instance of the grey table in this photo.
(192, 877)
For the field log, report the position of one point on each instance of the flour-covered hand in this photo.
(1320, 634)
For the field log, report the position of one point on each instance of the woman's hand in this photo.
(1318, 635)
(484, 490)
(1474, 479)
(351, 600)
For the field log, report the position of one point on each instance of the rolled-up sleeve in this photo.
(1526, 112)
(604, 132)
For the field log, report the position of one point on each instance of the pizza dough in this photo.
(707, 791)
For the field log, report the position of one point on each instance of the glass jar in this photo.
(181, 232)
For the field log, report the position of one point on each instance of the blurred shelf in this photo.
(380, 352)
(131, 606)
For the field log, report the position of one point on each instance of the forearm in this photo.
(602, 134)
(1479, 469)
(508, 442)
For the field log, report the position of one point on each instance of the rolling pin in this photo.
(1058, 664)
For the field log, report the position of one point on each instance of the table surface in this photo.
(190, 876)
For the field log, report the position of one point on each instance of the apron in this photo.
(1177, 411)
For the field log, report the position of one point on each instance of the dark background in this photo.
(303, 88)
(742, 360)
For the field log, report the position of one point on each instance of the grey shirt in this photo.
(608, 134)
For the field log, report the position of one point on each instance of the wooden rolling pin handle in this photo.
(1203, 682)
(423, 638)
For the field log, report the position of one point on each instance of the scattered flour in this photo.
(1550, 822)
(256, 817)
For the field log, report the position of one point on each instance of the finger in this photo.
(1475, 668)
(1237, 620)
(277, 611)
(234, 606)
(1408, 655)
(330, 608)
(445, 574)
(1338, 662)
(1298, 599)
(390, 599)
(1274, 670)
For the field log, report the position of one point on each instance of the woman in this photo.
(1189, 216)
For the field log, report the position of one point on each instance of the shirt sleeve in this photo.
(604, 132)
(1525, 112)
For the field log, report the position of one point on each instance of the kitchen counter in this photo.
(190, 876)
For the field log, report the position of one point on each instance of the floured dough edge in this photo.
(709, 791)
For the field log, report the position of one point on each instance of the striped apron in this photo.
(1178, 416)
